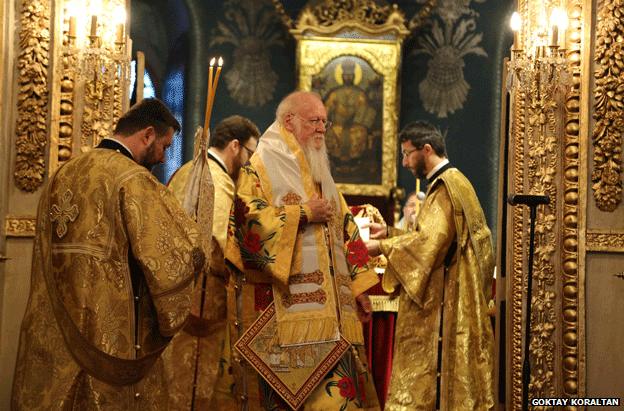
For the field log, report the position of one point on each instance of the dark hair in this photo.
(147, 112)
(233, 128)
(420, 133)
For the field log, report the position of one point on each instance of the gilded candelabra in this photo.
(95, 76)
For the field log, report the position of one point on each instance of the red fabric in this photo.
(379, 341)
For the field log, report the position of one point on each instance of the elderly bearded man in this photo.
(112, 274)
(293, 242)
(444, 349)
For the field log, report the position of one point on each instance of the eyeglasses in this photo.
(249, 151)
(407, 153)
(316, 122)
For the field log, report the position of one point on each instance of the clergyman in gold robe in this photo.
(292, 242)
(192, 360)
(114, 264)
(444, 344)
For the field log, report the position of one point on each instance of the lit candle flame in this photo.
(119, 15)
(516, 25)
(212, 62)
(516, 21)
(220, 61)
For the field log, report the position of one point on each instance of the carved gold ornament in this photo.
(20, 226)
(546, 154)
(571, 303)
(605, 241)
(32, 96)
(608, 106)
(331, 16)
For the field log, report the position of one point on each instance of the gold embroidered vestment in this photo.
(96, 322)
(451, 213)
(194, 353)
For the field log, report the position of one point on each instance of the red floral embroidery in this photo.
(240, 211)
(347, 388)
(357, 253)
(252, 243)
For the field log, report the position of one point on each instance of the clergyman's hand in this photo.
(377, 230)
(364, 308)
(320, 208)
(373, 248)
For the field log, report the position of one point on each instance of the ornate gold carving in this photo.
(332, 17)
(552, 142)
(68, 75)
(571, 212)
(605, 241)
(608, 106)
(517, 235)
(543, 124)
(366, 11)
(32, 98)
(20, 226)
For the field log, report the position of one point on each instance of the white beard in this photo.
(318, 161)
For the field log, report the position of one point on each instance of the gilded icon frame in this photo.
(314, 53)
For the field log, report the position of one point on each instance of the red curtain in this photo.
(379, 341)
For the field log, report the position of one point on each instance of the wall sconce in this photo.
(538, 61)
(95, 75)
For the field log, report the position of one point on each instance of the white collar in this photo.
(219, 159)
(436, 168)
(121, 144)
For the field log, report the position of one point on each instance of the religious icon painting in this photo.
(353, 95)
(354, 66)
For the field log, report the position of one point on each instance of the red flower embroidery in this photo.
(357, 253)
(251, 242)
(347, 388)
(240, 211)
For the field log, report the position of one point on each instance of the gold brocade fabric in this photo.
(239, 386)
(271, 251)
(79, 328)
(451, 212)
(193, 356)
